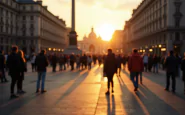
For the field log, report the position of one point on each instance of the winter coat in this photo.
(14, 64)
(155, 60)
(2, 62)
(135, 63)
(41, 62)
(171, 64)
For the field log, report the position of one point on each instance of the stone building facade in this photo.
(156, 26)
(93, 44)
(29, 25)
(116, 43)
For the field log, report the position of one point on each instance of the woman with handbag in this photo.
(21, 75)
(183, 70)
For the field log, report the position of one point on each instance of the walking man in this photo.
(171, 65)
(41, 62)
(110, 68)
(135, 66)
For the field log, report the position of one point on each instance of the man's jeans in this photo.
(155, 68)
(41, 77)
(134, 77)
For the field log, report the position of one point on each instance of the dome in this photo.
(92, 35)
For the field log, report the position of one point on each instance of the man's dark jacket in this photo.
(41, 62)
(110, 65)
(2, 62)
(183, 68)
(13, 63)
(171, 64)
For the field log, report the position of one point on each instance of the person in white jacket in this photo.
(145, 61)
(33, 62)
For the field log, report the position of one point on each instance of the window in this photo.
(177, 22)
(24, 26)
(24, 17)
(177, 36)
(6, 40)
(6, 29)
(24, 32)
(24, 8)
(32, 33)
(32, 42)
(32, 18)
(31, 26)
(2, 40)
(31, 8)
(1, 28)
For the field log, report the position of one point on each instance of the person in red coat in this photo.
(135, 66)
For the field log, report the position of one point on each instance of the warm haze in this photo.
(104, 15)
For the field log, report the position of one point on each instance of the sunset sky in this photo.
(104, 15)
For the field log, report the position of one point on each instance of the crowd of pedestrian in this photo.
(16, 64)
(173, 64)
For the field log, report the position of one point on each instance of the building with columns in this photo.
(116, 43)
(93, 44)
(156, 26)
(29, 25)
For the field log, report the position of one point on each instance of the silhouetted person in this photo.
(155, 64)
(21, 74)
(124, 61)
(135, 66)
(179, 61)
(183, 71)
(2, 67)
(13, 63)
(41, 62)
(33, 57)
(110, 68)
(118, 62)
(72, 61)
(54, 62)
(150, 62)
(171, 65)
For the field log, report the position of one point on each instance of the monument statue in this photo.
(73, 35)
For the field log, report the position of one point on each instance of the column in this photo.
(73, 15)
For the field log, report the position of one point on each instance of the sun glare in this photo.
(106, 31)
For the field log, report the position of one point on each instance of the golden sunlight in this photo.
(106, 31)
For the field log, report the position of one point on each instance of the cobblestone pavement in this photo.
(83, 93)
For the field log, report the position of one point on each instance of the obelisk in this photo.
(72, 35)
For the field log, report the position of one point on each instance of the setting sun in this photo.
(106, 31)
